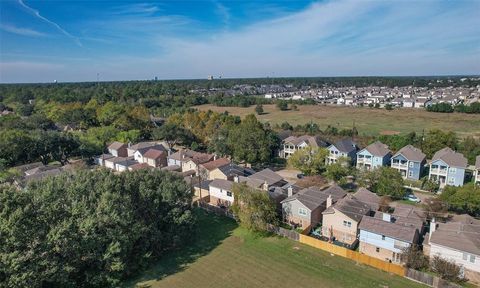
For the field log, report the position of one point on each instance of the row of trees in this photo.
(92, 228)
(473, 108)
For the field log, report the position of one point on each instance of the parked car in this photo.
(412, 197)
(300, 176)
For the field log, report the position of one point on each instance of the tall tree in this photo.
(310, 160)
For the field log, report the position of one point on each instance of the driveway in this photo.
(289, 174)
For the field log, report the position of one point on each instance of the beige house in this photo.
(210, 169)
(340, 220)
(155, 158)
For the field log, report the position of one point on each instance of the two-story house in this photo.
(305, 207)
(345, 148)
(188, 159)
(448, 168)
(221, 194)
(373, 156)
(409, 161)
(476, 173)
(457, 240)
(385, 237)
(340, 220)
(118, 149)
(293, 143)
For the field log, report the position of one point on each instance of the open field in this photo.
(368, 121)
(224, 255)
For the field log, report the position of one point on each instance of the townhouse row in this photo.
(447, 167)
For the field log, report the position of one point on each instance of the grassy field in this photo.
(224, 255)
(367, 120)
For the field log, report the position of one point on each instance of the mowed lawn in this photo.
(369, 121)
(225, 255)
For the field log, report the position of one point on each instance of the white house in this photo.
(221, 192)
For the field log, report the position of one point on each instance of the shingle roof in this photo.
(142, 145)
(153, 153)
(389, 229)
(116, 145)
(451, 158)
(462, 233)
(411, 153)
(158, 147)
(232, 169)
(366, 196)
(187, 154)
(222, 184)
(139, 166)
(313, 197)
(350, 207)
(477, 162)
(313, 141)
(267, 175)
(378, 149)
(345, 146)
(216, 164)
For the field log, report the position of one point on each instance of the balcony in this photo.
(438, 171)
(364, 160)
(398, 165)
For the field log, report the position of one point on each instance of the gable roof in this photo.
(116, 145)
(314, 197)
(153, 153)
(187, 154)
(351, 207)
(366, 196)
(345, 146)
(143, 150)
(233, 169)
(460, 234)
(222, 184)
(411, 153)
(378, 149)
(393, 230)
(451, 158)
(216, 163)
(313, 141)
(267, 175)
(139, 166)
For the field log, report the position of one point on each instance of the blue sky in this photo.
(42, 41)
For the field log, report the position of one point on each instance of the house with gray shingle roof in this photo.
(373, 156)
(457, 240)
(294, 143)
(448, 168)
(368, 197)
(409, 161)
(305, 207)
(344, 148)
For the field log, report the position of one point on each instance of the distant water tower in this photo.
(210, 77)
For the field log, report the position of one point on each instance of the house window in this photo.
(377, 250)
(465, 256)
(410, 164)
(302, 212)
(383, 237)
(451, 180)
(410, 173)
(472, 258)
(453, 170)
(229, 194)
(347, 223)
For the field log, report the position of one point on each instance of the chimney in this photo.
(265, 186)
(214, 157)
(329, 200)
(235, 179)
(386, 217)
(433, 228)
(290, 191)
(129, 144)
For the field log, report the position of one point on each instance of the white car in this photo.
(412, 197)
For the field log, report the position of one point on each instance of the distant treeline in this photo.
(473, 108)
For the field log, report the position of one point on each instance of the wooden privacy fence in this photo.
(355, 256)
(291, 234)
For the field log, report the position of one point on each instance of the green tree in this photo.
(464, 199)
(310, 160)
(251, 142)
(173, 134)
(438, 139)
(282, 105)
(259, 109)
(254, 208)
(338, 170)
(91, 228)
(385, 181)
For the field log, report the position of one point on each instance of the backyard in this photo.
(225, 255)
(369, 121)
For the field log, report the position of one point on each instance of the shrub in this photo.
(447, 269)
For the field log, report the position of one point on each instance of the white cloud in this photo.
(21, 31)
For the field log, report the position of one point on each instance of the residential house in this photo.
(340, 220)
(220, 191)
(409, 161)
(344, 148)
(373, 156)
(118, 149)
(476, 173)
(206, 169)
(305, 207)
(100, 160)
(385, 237)
(111, 162)
(448, 168)
(124, 164)
(188, 159)
(457, 240)
(229, 171)
(368, 197)
(131, 149)
(140, 152)
(293, 143)
(269, 178)
(155, 158)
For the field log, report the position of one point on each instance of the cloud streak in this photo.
(58, 27)
(21, 31)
